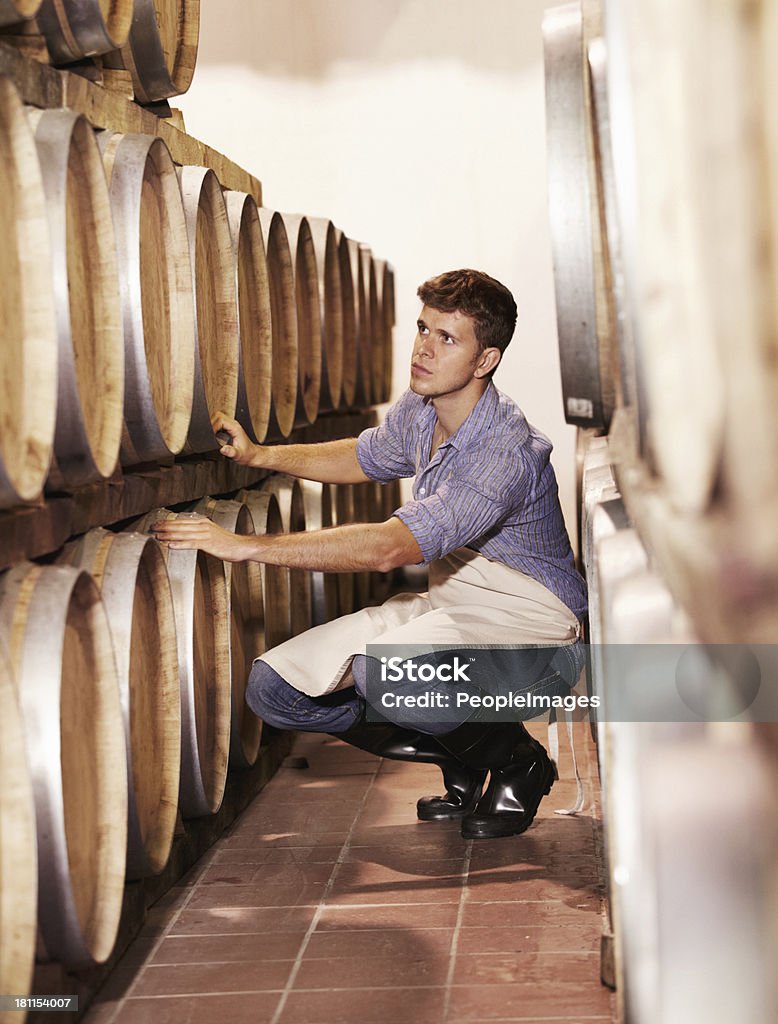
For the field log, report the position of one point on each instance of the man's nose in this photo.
(423, 345)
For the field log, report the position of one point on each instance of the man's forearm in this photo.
(378, 547)
(332, 462)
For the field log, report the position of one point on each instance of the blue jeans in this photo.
(279, 704)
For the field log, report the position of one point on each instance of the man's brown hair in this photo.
(487, 302)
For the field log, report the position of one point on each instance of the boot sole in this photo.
(443, 816)
(500, 826)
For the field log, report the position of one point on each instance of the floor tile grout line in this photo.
(363, 931)
(372, 956)
(454, 949)
(317, 913)
(330, 906)
(486, 985)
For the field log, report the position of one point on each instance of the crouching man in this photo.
(485, 517)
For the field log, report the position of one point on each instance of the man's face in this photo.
(446, 353)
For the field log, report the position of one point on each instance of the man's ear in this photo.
(487, 362)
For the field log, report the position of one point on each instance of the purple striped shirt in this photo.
(490, 487)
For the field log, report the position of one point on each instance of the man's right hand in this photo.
(329, 462)
(241, 449)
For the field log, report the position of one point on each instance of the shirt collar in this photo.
(480, 417)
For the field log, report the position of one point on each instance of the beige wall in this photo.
(418, 127)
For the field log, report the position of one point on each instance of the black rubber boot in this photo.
(522, 773)
(463, 784)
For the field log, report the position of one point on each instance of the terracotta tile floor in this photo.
(329, 902)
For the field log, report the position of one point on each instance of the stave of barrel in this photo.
(350, 319)
(130, 570)
(309, 319)
(74, 739)
(255, 328)
(363, 513)
(266, 516)
(343, 513)
(283, 306)
(200, 602)
(361, 306)
(325, 244)
(156, 294)
(318, 503)
(372, 327)
(28, 355)
(86, 285)
(216, 309)
(289, 493)
(246, 617)
(383, 337)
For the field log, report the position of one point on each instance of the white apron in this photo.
(472, 602)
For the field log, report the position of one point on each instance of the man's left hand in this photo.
(203, 534)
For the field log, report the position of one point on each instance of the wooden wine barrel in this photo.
(585, 320)
(90, 396)
(200, 601)
(75, 29)
(628, 381)
(28, 354)
(318, 501)
(391, 499)
(309, 322)
(696, 225)
(350, 317)
(161, 50)
(216, 305)
(291, 503)
(266, 516)
(246, 613)
(156, 293)
(380, 582)
(62, 657)
(11, 12)
(283, 307)
(390, 318)
(18, 849)
(325, 244)
(363, 323)
(375, 318)
(363, 513)
(130, 570)
(383, 358)
(344, 514)
(255, 328)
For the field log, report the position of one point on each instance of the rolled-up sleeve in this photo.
(469, 504)
(384, 452)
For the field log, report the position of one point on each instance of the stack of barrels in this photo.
(142, 298)
(133, 709)
(139, 299)
(663, 186)
(152, 42)
(665, 265)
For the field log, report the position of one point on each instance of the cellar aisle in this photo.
(328, 902)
